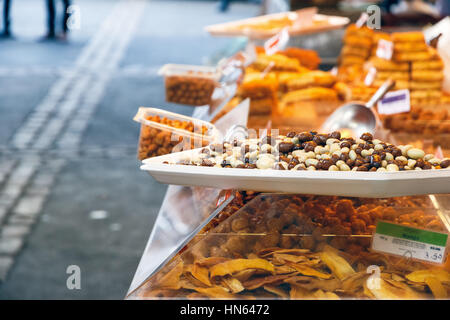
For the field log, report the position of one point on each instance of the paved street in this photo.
(71, 192)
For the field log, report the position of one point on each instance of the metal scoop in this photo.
(357, 117)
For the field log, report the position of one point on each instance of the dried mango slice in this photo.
(233, 284)
(388, 291)
(288, 257)
(261, 281)
(298, 292)
(309, 283)
(284, 269)
(436, 288)
(216, 292)
(276, 290)
(231, 266)
(270, 251)
(244, 274)
(171, 280)
(421, 275)
(209, 262)
(338, 265)
(355, 281)
(307, 271)
(201, 274)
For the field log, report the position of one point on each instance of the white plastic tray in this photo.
(229, 28)
(339, 183)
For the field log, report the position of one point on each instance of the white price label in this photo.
(395, 102)
(411, 243)
(277, 42)
(370, 76)
(385, 49)
(362, 20)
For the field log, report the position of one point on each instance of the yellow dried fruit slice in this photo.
(338, 265)
(216, 292)
(388, 291)
(231, 266)
(421, 275)
(436, 287)
(307, 271)
(201, 274)
(171, 280)
(233, 284)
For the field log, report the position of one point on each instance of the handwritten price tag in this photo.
(277, 42)
(362, 20)
(385, 49)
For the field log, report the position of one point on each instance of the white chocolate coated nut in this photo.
(265, 163)
(344, 167)
(415, 153)
(311, 162)
(352, 154)
(382, 169)
(392, 167)
(389, 156)
(333, 168)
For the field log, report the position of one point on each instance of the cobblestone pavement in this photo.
(71, 192)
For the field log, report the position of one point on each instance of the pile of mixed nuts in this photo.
(315, 151)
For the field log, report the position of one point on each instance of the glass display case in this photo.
(285, 246)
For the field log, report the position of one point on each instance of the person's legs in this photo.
(6, 19)
(50, 18)
(224, 4)
(65, 16)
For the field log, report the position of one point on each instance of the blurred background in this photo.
(71, 192)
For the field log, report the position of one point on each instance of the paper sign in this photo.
(362, 20)
(385, 49)
(277, 42)
(409, 242)
(439, 154)
(370, 76)
(305, 17)
(395, 102)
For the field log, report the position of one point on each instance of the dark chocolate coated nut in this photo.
(345, 144)
(304, 136)
(335, 135)
(291, 134)
(445, 163)
(366, 136)
(285, 147)
(309, 146)
(320, 139)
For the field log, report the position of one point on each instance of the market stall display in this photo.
(320, 239)
(164, 132)
(302, 247)
(190, 85)
(263, 27)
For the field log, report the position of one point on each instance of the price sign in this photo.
(439, 153)
(395, 102)
(305, 17)
(362, 20)
(410, 242)
(370, 76)
(277, 42)
(385, 49)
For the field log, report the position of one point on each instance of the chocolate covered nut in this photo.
(285, 147)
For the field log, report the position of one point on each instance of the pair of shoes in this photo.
(6, 34)
(48, 37)
(53, 37)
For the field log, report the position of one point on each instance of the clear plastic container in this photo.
(163, 132)
(190, 85)
(284, 246)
